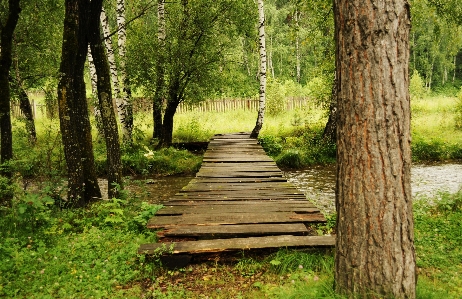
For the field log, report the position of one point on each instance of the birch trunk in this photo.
(375, 255)
(262, 93)
(297, 45)
(125, 107)
(112, 61)
(108, 117)
(94, 92)
(160, 81)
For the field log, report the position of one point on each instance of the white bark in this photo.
(125, 106)
(93, 79)
(94, 91)
(111, 60)
(297, 44)
(262, 94)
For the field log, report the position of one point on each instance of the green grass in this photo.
(91, 253)
(435, 136)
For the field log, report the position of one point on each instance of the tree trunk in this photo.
(108, 117)
(262, 93)
(160, 81)
(26, 109)
(375, 253)
(111, 60)
(454, 74)
(297, 45)
(6, 136)
(125, 107)
(73, 110)
(94, 92)
(330, 130)
(24, 105)
(167, 126)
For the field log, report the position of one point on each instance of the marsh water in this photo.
(428, 180)
(318, 183)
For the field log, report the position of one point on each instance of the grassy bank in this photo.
(91, 253)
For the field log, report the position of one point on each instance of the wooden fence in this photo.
(223, 105)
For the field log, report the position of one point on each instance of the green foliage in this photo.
(320, 89)
(192, 131)
(165, 161)
(416, 86)
(438, 242)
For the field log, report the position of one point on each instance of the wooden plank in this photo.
(232, 218)
(219, 209)
(226, 231)
(250, 203)
(238, 174)
(235, 244)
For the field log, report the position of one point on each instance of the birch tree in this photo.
(262, 49)
(104, 89)
(375, 255)
(125, 106)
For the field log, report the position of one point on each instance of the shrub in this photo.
(416, 86)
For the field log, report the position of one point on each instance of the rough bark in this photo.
(375, 253)
(6, 43)
(125, 106)
(160, 82)
(26, 109)
(108, 117)
(167, 126)
(330, 130)
(73, 110)
(262, 92)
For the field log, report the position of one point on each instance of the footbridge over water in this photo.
(238, 200)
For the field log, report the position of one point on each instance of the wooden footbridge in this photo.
(238, 200)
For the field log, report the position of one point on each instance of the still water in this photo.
(317, 182)
(427, 180)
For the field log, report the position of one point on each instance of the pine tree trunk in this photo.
(160, 81)
(125, 107)
(262, 93)
(374, 247)
(73, 110)
(108, 117)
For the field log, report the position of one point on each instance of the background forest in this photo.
(180, 55)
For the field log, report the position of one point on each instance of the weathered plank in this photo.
(238, 192)
(234, 244)
(233, 218)
(226, 231)
(219, 209)
(249, 203)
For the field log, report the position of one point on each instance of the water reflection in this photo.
(427, 180)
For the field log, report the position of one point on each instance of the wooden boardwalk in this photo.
(238, 200)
